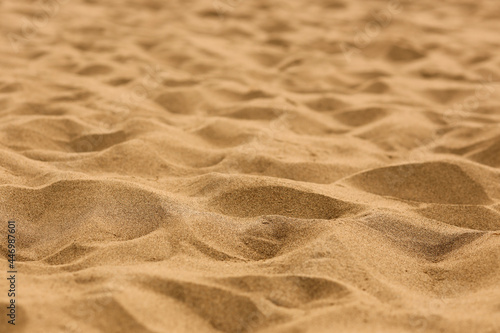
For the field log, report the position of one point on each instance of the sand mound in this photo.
(274, 200)
(432, 182)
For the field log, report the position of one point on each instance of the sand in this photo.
(251, 166)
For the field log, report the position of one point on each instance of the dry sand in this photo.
(251, 166)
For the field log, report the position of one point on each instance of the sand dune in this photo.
(251, 166)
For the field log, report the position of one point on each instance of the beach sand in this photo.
(250, 166)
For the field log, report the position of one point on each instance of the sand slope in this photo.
(252, 166)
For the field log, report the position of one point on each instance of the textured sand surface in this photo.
(251, 165)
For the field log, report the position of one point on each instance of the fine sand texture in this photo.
(236, 166)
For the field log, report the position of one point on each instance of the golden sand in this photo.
(251, 166)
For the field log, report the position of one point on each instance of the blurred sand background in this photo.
(251, 166)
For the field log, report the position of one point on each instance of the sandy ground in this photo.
(251, 166)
